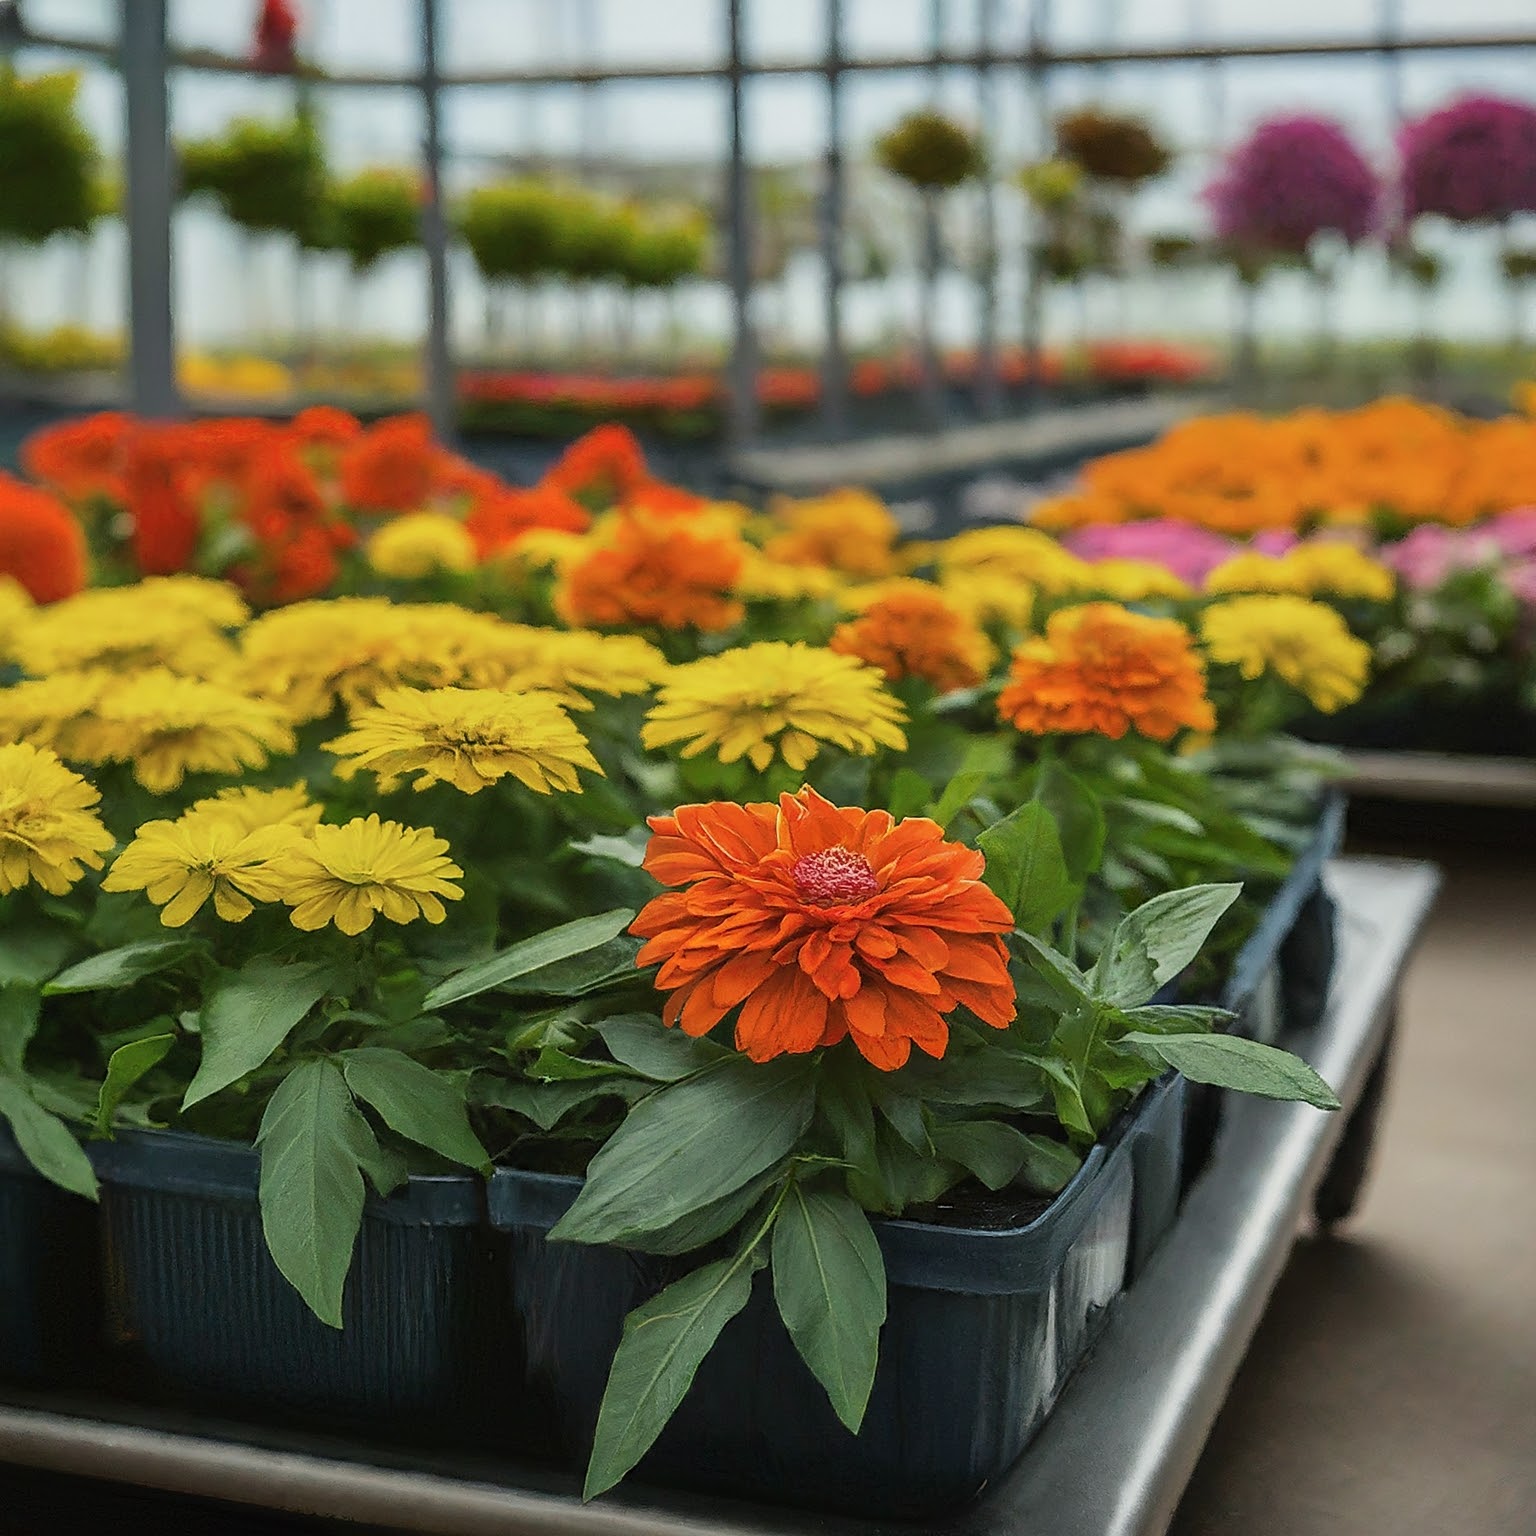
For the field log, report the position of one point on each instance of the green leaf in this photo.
(528, 955)
(552, 1065)
(1026, 869)
(32, 952)
(1070, 1108)
(829, 1282)
(581, 973)
(710, 1221)
(984, 759)
(120, 967)
(1156, 941)
(645, 1045)
(547, 1104)
(127, 1064)
(1158, 1019)
(909, 793)
(1079, 817)
(994, 1152)
(249, 1013)
(629, 849)
(664, 1343)
(1048, 1164)
(1229, 1061)
(1000, 1076)
(415, 1102)
(45, 1141)
(689, 1144)
(1065, 979)
(19, 1009)
(314, 1145)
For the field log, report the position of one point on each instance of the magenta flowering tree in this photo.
(1292, 180)
(1474, 162)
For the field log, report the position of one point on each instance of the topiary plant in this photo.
(48, 160)
(374, 213)
(1111, 146)
(268, 178)
(512, 229)
(930, 151)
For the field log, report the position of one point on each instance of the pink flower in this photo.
(1190, 553)
(1430, 553)
(1521, 580)
(1513, 531)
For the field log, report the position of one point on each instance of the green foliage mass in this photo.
(269, 178)
(930, 151)
(48, 160)
(374, 214)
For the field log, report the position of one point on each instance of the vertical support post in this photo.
(935, 53)
(151, 331)
(1215, 79)
(834, 362)
(988, 394)
(742, 381)
(1037, 80)
(591, 93)
(1390, 25)
(434, 236)
(932, 386)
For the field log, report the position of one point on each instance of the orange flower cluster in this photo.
(42, 546)
(294, 490)
(500, 518)
(823, 924)
(1102, 669)
(654, 573)
(1241, 474)
(914, 631)
(604, 468)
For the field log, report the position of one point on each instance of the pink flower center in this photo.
(834, 877)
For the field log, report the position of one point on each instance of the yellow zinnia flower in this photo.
(123, 629)
(219, 602)
(1022, 555)
(55, 711)
(48, 829)
(569, 663)
(763, 580)
(16, 610)
(1307, 644)
(1318, 567)
(991, 599)
(467, 737)
(421, 544)
(310, 656)
(180, 864)
(168, 726)
(345, 875)
(775, 697)
(848, 530)
(1134, 581)
(250, 809)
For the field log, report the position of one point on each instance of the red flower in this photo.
(391, 467)
(603, 468)
(80, 458)
(499, 520)
(42, 545)
(822, 923)
(167, 523)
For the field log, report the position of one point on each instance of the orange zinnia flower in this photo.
(41, 544)
(157, 484)
(602, 469)
(391, 467)
(822, 922)
(325, 426)
(653, 574)
(80, 459)
(1101, 668)
(498, 520)
(913, 632)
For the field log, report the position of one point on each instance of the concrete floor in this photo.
(1391, 1390)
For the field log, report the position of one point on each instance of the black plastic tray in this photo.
(983, 1330)
(196, 1311)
